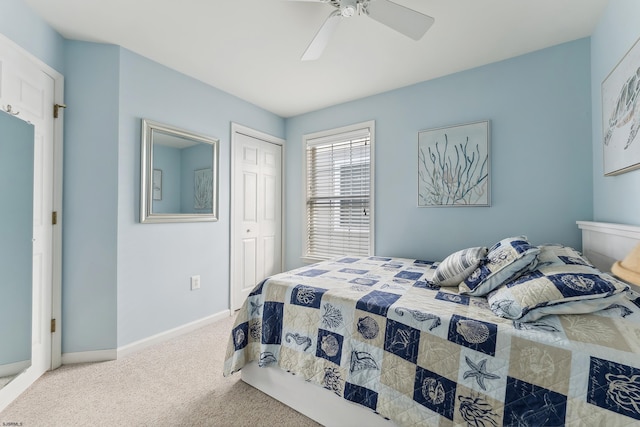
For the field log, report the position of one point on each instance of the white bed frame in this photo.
(605, 243)
(602, 244)
(310, 399)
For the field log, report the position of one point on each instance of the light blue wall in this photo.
(540, 110)
(616, 198)
(155, 261)
(90, 227)
(125, 281)
(19, 23)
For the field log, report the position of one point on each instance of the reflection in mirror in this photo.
(16, 245)
(179, 175)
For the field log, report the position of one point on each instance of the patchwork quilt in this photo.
(377, 332)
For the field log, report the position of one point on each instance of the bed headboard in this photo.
(604, 243)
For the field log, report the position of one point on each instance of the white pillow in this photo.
(458, 266)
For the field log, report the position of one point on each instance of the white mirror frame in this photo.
(146, 175)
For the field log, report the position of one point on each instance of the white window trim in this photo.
(327, 136)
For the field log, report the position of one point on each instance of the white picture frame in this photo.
(621, 115)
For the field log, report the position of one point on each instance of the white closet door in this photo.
(30, 92)
(257, 214)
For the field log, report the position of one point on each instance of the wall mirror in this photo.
(16, 245)
(179, 175)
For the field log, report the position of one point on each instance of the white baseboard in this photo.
(113, 354)
(89, 356)
(171, 333)
(9, 369)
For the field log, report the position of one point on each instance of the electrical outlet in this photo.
(195, 282)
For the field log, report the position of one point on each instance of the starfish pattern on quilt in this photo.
(255, 308)
(479, 372)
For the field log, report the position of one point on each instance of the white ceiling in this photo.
(252, 48)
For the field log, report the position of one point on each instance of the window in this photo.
(339, 192)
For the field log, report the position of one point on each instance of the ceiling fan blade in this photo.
(406, 21)
(319, 42)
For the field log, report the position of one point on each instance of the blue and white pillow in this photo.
(506, 260)
(458, 266)
(563, 283)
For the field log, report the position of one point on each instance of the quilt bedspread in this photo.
(376, 332)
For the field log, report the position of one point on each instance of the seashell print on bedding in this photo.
(364, 281)
(578, 283)
(368, 327)
(402, 340)
(361, 360)
(329, 344)
(459, 363)
(420, 316)
(239, 337)
(472, 333)
(433, 391)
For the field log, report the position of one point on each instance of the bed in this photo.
(389, 341)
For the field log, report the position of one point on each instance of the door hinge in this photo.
(53, 325)
(56, 109)
(54, 217)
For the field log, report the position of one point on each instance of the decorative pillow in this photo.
(506, 260)
(563, 283)
(458, 266)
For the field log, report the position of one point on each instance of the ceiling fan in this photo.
(406, 21)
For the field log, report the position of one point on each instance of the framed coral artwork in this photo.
(203, 189)
(453, 166)
(621, 114)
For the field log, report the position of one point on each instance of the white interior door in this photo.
(256, 211)
(30, 91)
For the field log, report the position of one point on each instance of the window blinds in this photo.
(338, 195)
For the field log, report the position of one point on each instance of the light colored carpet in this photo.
(175, 383)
